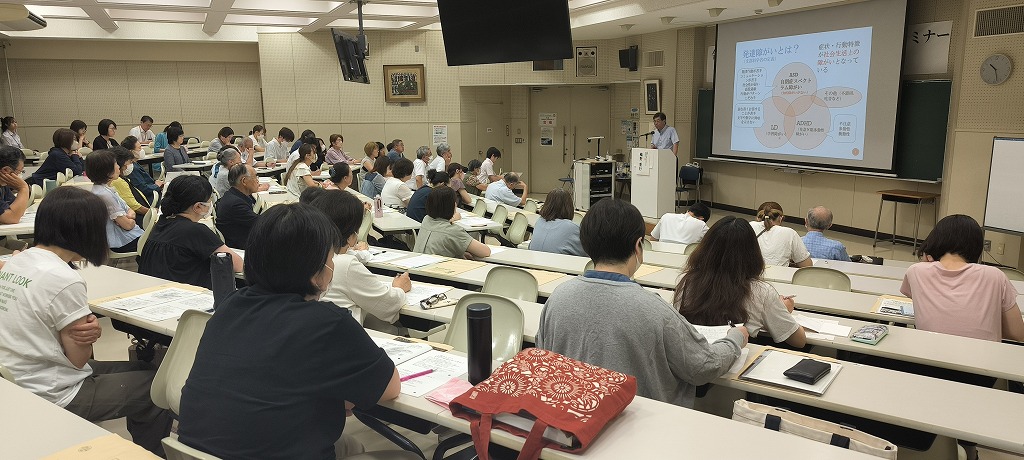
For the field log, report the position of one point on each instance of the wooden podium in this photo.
(653, 174)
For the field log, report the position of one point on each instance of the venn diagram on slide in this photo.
(797, 112)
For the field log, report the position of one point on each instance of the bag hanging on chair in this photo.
(544, 389)
(811, 428)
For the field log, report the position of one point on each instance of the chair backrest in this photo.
(69, 173)
(517, 231)
(148, 222)
(154, 199)
(364, 228)
(1013, 274)
(192, 141)
(689, 249)
(257, 207)
(35, 193)
(177, 450)
(28, 152)
(511, 282)
(61, 178)
(204, 144)
(480, 207)
(577, 217)
(590, 265)
(822, 277)
(6, 374)
(646, 243)
(690, 175)
(499, 216)
(177, 363)
(49, 185)
(530, 205)
(84, 151)
(44, 154)
(506, 326)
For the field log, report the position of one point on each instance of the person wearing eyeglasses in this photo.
(14, 191)
(235, 216)
(179, 247)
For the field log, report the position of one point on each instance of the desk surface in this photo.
(907, 194)
(33, 427)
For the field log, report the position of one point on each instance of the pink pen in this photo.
(418, 374)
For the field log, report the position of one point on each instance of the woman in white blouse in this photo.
(780, 245)
(299, 177)
(10, 135)
(259, 138)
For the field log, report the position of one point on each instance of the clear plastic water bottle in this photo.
(378, 207)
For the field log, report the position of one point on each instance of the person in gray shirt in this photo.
(555, 231)
(605, 319)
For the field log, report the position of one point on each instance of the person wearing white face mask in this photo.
(179, 247)
(259, 138)
(131, 196)
(122, 231)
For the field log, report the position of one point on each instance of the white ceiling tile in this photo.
(370, 24)
(188, 3)
(301, 6)
(159, 16)
(379, 9)
(259, 20)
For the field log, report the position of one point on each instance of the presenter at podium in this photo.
(665, 137)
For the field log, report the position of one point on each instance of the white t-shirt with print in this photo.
(296, 184)
(40, 295)
(780, 245)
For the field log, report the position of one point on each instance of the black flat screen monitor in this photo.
(350, 56)
(492, 31)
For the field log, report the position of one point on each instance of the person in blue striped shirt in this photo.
(819, 219)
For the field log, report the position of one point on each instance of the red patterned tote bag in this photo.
(552, 400)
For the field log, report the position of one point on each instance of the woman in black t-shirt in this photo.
(179, 248)
(277, 370)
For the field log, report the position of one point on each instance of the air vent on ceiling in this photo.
(654, 58)
(999, 21)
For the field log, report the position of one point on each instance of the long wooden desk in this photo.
(32, 427)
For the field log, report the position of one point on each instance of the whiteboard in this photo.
(1003, 208)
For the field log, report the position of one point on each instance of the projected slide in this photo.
(803, 94)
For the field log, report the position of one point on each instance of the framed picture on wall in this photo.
(652, 96)
(404, 83)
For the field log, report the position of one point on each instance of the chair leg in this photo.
(389, 433)
(449, 444)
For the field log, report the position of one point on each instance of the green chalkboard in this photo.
(920, 132)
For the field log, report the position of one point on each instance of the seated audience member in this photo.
(235, 216)
(223, 138)
(231, 406)
(472, 180)
(819, 219)
(686, 228)
(310, 194)
(487, 174)
(374, 181)
(555, 231)
(309, 137)
(123, 231)
(954, 294)
(340, 177)
(335, 154)
(419, 168)
(137, 176)
(372, 152)
(10, 137)
(395, 150)
(247, 149)
(14, 191)
(227, 158)
(352, 285)
(60, 158)
(418, 203)
(160, 143)
(47, 331)
(299, 176)
(457, 173)
(80, 128)
(443, 159)
(179, 247)
(259, 138)
(279, 147)
(143, 132)
(780, 245)
(501, 191)
(396, 193)
(107, 129)
(584, 317)
(175, 153)
(722, 282)
(134, 198)
(439, 235)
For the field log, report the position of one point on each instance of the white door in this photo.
(578, 112)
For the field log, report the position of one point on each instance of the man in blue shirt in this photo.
(819, 219)
(397, 147)
(501, 191)
(665, 137)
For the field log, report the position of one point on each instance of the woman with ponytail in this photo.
(780, 245)
(10, 135)
(179, 248)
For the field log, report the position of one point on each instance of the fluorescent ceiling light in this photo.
(380, 9)
(300, 6)
(189, 3)
(370, 24)
(160, 16)
(266, 20)
(57, 11)
(573, 4)
(276, 30)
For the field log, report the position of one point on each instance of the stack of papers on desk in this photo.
(769, 366)
(444, 367)
(386, 256)
(399, 351)
(474, 221)
(421, 291)
(896, 306)
(823, 326)
(417, 261)
(159, 304)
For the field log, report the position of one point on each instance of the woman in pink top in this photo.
(953, 294)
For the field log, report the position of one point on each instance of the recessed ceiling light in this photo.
(57, 11)
(189, 3)
(378, 9)
(266, 20)
(302, 6)
(160, 16)
(370, 24)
